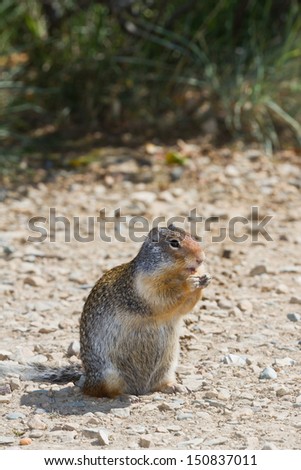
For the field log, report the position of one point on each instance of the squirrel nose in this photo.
(199, 260)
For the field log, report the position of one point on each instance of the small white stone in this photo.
(245, 306)
(223, 394)
(286, 361)
(282, 289)
(269, 446)
(234, 360)
(268, 373)
(36, 423)
(103, 437)
(225, 304)
(147, 197)
(121, 412)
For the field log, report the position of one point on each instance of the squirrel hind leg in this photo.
(109, 385)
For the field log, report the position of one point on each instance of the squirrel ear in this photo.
(155, 233)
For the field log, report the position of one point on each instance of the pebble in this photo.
(147, 197)
(5, 399)
(245, 306)
(8, 250)
(161, 429)
(77, 277)
(282, 289)
(223, 394)
(252, 442)
(62, 436)
(286, 361)
(234, 360)
(36, 423)
(193, 383)
(235, 312)
(227, 253)
(259, 269)
(282, 391)
(176, 173)
(231, 170)
(43, 305)
(211, 394)
(215, 403)
(5, 389)
(166, 406)
(295, 300)
(181, 416)
(121, 412)
(216, 441)
(91, 433)
(34, 281)
(243, 413)
(268, 373)
(6, 440)
(5, 355)
(269, 446)
(25, 441)
(15, 415)
(36, 434)
(145, 442)
(73, 348)
(15, 383)
(136, 429)
(92, 420)
(197, 441)
(225, 304)
(103, 437)
(45, 330)
(292, 316)
(290, 269)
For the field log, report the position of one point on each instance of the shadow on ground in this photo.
(68, 402)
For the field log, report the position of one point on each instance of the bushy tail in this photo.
(41, 373)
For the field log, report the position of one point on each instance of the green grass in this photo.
(94, 68)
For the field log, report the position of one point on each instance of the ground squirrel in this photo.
(129, 328)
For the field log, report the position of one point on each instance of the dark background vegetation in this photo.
(148, 67)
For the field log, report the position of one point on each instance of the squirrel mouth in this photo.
(191, 270)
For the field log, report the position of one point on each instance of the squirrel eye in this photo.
(174, 243)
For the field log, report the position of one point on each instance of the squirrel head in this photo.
(171, 247)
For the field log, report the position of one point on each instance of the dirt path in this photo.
(244, 325)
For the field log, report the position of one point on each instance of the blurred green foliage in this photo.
(113, 63)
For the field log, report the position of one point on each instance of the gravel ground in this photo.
(240, 347)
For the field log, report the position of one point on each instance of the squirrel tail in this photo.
(42, 373)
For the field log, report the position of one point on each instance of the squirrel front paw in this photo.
(199, 282)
